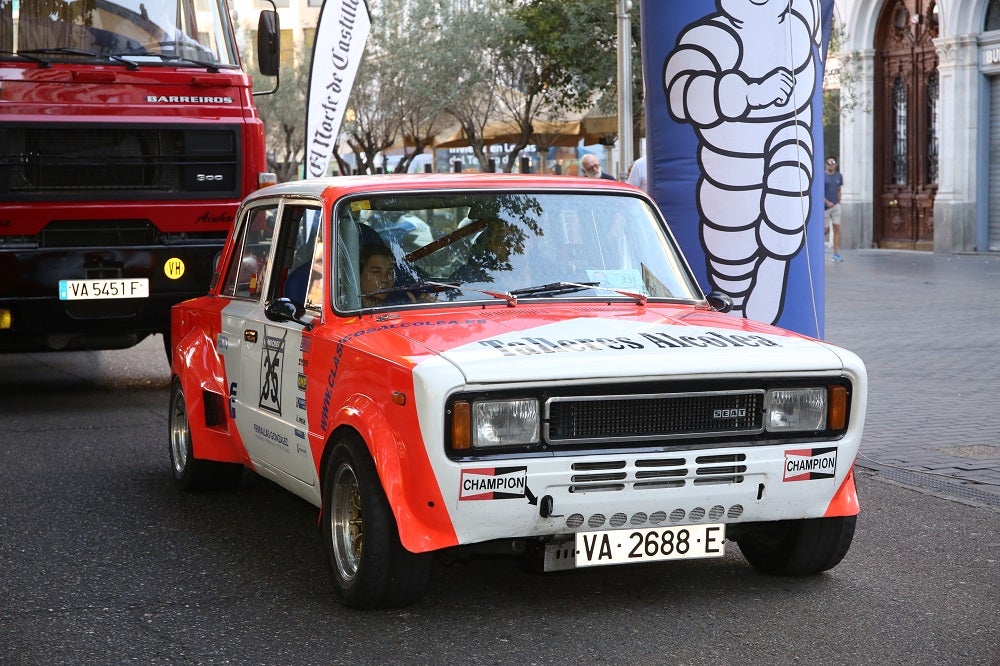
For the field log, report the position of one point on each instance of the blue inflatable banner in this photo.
(734, 137)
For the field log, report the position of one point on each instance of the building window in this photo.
(932, 125)
(993, 16)
(899, 132)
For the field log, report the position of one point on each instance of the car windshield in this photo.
(402, 250)
(185, 32)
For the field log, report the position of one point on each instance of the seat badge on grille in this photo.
(729, 413)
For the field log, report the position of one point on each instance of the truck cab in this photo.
(128, 135)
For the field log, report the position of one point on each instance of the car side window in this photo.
(252, 253)
(295, 252)
(314, 292)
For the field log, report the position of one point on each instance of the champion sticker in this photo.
(493, 483)
(810, 464)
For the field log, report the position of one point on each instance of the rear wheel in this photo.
(192, 473)
(799, 547)
(369, 566)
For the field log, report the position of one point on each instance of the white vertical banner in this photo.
(340, 40)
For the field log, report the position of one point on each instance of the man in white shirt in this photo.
(637, 176)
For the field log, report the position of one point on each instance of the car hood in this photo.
(523, 344)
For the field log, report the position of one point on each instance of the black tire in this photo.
(168, 349)
(799, 547)
(192, 473)
(369, 566)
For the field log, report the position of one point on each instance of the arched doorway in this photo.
(906, 125)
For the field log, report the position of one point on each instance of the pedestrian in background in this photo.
(833, 183)
(590, 166)
(637, 175)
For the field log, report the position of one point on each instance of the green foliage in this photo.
(283, 115)
(435, 65)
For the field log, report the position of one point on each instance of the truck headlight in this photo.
(495, 423)
(796, 409)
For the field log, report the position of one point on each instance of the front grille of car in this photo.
(87, 162)
(657, 417)
(590, 419)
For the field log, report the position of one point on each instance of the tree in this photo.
(284, 118)
(401, 88)
(419, 89)
(470, 60)
(431, 63)
(371, 127)
(577, 40)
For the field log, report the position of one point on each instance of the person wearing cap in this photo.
(833, 183)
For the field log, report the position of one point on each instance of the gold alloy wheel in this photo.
(346, 522)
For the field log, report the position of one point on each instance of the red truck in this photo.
(128, 136)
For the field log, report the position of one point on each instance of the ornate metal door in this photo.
(906, 108)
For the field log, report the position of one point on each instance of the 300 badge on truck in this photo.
(509, 363)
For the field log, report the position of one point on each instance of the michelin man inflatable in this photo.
(743, 78)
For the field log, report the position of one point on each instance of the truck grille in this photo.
(78, 162)
(636, 418)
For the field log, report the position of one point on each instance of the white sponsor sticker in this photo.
(810, 464)
(493, 483)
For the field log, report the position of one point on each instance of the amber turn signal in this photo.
(461, 425)
(836, 415)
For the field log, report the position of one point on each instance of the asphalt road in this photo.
(104, 561)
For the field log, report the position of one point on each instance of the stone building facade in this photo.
(920, 134)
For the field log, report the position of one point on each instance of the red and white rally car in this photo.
(540, 373)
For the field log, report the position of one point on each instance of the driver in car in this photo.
(378, 277)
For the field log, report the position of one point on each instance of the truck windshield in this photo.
(146, 31)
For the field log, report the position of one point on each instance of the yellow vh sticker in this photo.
(364, 204)
(173, 268)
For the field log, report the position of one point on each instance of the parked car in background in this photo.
(541, 376)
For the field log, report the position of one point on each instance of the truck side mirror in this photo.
(268, 43)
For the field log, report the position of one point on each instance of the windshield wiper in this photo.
(212, 67)
(555, 288)
(27, 56)
(502, 295)
(63, 50)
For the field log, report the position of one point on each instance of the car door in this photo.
(268, 398)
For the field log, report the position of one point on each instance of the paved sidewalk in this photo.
(928, 328)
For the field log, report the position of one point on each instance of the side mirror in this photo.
(268, 43)
(719, 302)
(285, 309)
